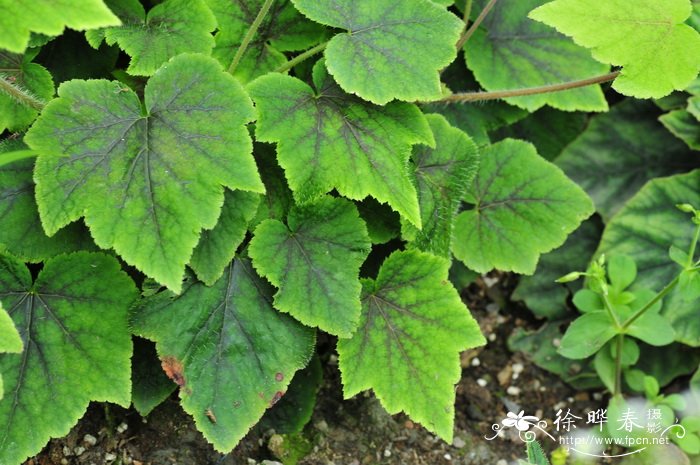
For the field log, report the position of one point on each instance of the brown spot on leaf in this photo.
(210, 415)
(276, 398)
(173, 369)
(279, 376)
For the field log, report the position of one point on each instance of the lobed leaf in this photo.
(146, 180)
(77, 347)
(648, 39)
(371, 58)
(523, 206)
(232, 354)
(50, 17)
(511, 51)
(315, 262)
(406, 350)
(329, 139)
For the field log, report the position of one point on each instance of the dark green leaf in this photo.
(232, 354)
(150, 385)
(684, 126)
(587, 334)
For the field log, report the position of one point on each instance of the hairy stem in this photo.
(618, 364)
(464, 97)
(470, 31)
(20, 95)
(249, 35)
(301, 57)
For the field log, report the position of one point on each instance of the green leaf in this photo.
(406, 349)
(390, 50)
(644, 229)
(442, 175)
(689, 285)
(383, 223)
(283, 29)
(19, 71)
(622, 271)
(9, 338)
(653, 329)
(683, 125)
(587, 334)
(546, 298)
(328, 139)
(217, 246)
(278, 199)
(522, 206)
(657, 52)
(667, 363)
(169, 29)
(548, 129)
(510, 51)
(230, 351)
(315, 262)
(77, 347)
(20, 17)
(150, 385)
(604, 364)
(146, 183)
(21, 233)
(535, 454)
(588, 301)
(630, 146)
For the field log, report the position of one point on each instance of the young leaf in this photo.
(20, 17)
(522, 206)
(412, 329)
(329, 139)
(508, 41)
(648, 39)
(77, 347)
(232, 354)
(587, 334)
(169, 29)
(21, 233)
(542, 295)
(146, 183)
(282, 29)
(217, 246)
(315, 262)
(442, 177)
(644, 229)
(34, 79)
(371, 58)
(630, 146)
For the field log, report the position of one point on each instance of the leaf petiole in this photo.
(301, 57)
(470, 31)
(20, 95)
(249, 35)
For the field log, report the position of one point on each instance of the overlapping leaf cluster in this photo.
(246, 192)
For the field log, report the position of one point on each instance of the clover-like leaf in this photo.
(31, 78)
(442, 175)
(523, 206)
(406, 349)
(217, 246)
(644, 229)
(21, 233)
(372, 60)
(315, 262)
(146, 180)
(50, 17)
(329, 139)
(648, 39)
(511, 51)
(77, 347)
(232, 354)
(630, 146)
(282, 29)
(170, 28)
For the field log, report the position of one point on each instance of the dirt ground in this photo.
(355, 431)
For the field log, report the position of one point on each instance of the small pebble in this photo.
(502, 462)
(556, 342)
(500, 319)
(559, 406)
(387, 453)
(64, 461)
(513, 391)
(482, 382)
(78, 451)
(543, 388)
(489, 281)
(67, 452)
(121, 428)
(90, 440)
(570, 400)
(518, 368)
(597, 396)
(476, 362)
(447, 457)
(458, 442)
(492, 307)
(110, 457)
(333, 360)
(252, 461)
(492, 337)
